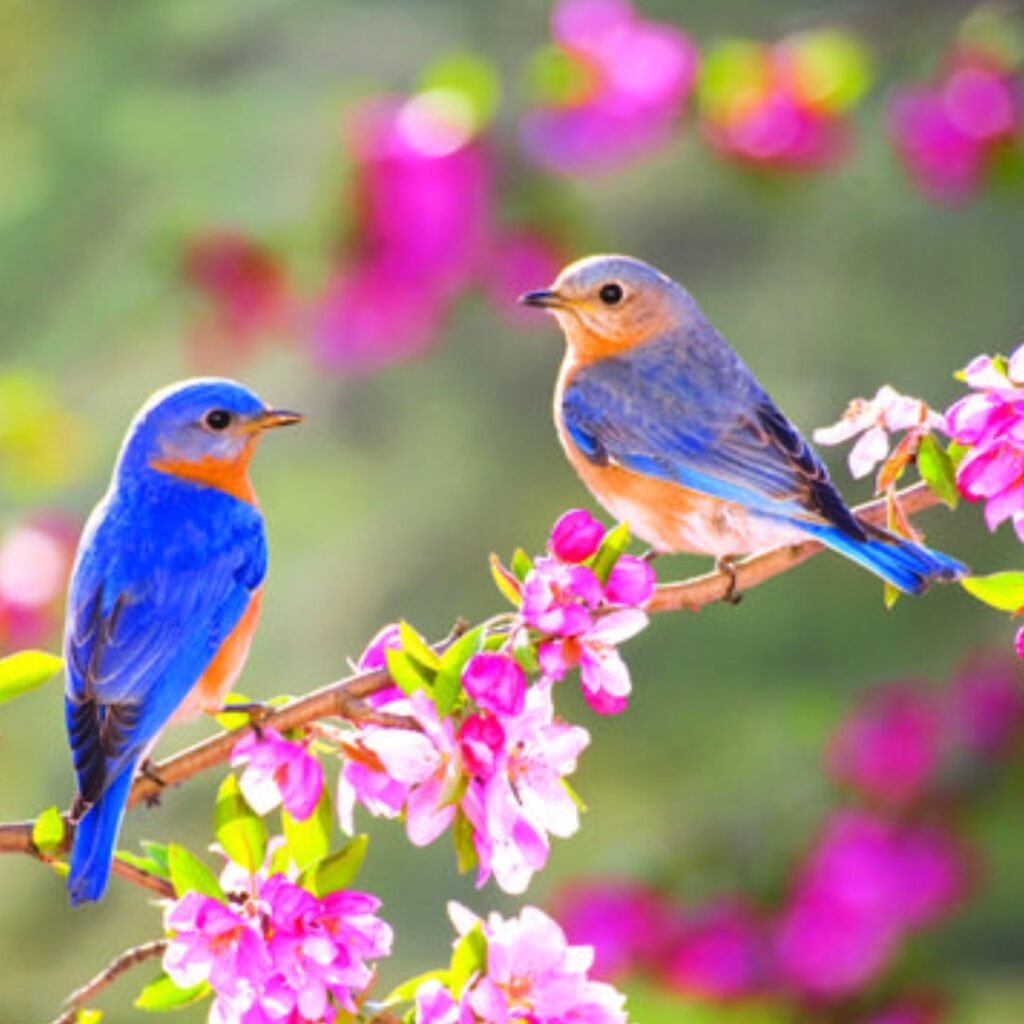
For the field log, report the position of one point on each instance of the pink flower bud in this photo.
(481, 740)
(373, 658)
(496, 682)
(576, 536)
(631, 582)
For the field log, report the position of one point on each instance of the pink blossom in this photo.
(893, 746)
(604, 676)
(909, 1011)
(496, 682)
(990, 422)
(533, 975)
(576, 536)
(625, 923)
(947, 134)
(874, 419)
(278, 771)
(631, 582)
(519, 258)
(988, 707)
(435, 1005)
(374, 658)
(481, 743)
(719, 954)
(866, 883)
(636, 75)
(559, 598)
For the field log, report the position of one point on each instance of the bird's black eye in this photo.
(218, 419)
(611, 293)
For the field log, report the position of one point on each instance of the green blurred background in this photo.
(123, 126)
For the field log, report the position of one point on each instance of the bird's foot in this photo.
(726, 565)
(148, 771)
(256, 711)
(78, 807)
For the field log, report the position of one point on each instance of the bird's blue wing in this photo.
(705, 424)
(151, 602)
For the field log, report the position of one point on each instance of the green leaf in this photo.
(407, 674)
(472, 78)
(469, 957)
(614, 544)
(338, 871)
(155, 863)
(462, 839)
(48, 831)
(26, 671)
(525, 653)
(240, 830)
(890, 595)
(522, 564)
(87, 1016)
(956, 453)
(157, 853)
(308, 841)
(448, 684)
(417, 648)
(406, 991)
(1002, 590)
(163, 994)
(505, 582)
(189, 874)
(937, 470)
(233, 719)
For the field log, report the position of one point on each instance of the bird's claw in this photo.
(727, 567)
(256, 711)
(148, 771)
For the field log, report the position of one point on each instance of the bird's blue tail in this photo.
(94, 840)
(907, 566)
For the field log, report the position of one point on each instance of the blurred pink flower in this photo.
(865, 884)
(988, 707)
(948, 133)
(892, 747)
(278, 771)
(496, 682)
(874, 419)
(624, 922)
(518, 259)
(637, 75)
(909, 1011)
(576, 536)
(534, 976)
(720, 954)
(990, 423)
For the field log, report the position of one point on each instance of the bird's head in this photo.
(611, 303)
(202, 430)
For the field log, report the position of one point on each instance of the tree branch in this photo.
(129, 958)
(345, 698)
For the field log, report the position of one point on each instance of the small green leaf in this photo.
(525, 653)
(406, 991)
(157, 852)
(469, 957)
(462, 838)
(308, 841)
(239, 829)
(233, 719)
(522, 564)
(338, 871)
(890, 595)
(937, 470)
(26, 671)
(48, 831)
(155, 863)
(87, 1016)
(163, 994)
(407, 674)
(1002, 590)
(448, 684)
(956, 453)
(574, 796)
(614, 544)
(505, 582)
(417, 648)
(189, 874)
(472, 78)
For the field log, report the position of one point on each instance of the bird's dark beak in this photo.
(543, 298)
(271, 418)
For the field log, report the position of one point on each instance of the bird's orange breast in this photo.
(228, 475)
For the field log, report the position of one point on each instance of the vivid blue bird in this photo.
(164, 596)
(672, 432)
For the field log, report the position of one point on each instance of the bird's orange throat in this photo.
(583, 346)
(228, 475)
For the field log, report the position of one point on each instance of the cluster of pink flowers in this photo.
(495, 766)
(278, 772)
(783, 106)
(622, 86)
(529, 973)
(35, 562)
(949, 134)
(874, 420)
(272, 952)
(989, 422)
(875, 874)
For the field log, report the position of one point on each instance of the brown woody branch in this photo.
(346, 697)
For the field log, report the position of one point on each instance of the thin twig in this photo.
(345, 698)
(128, 959)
